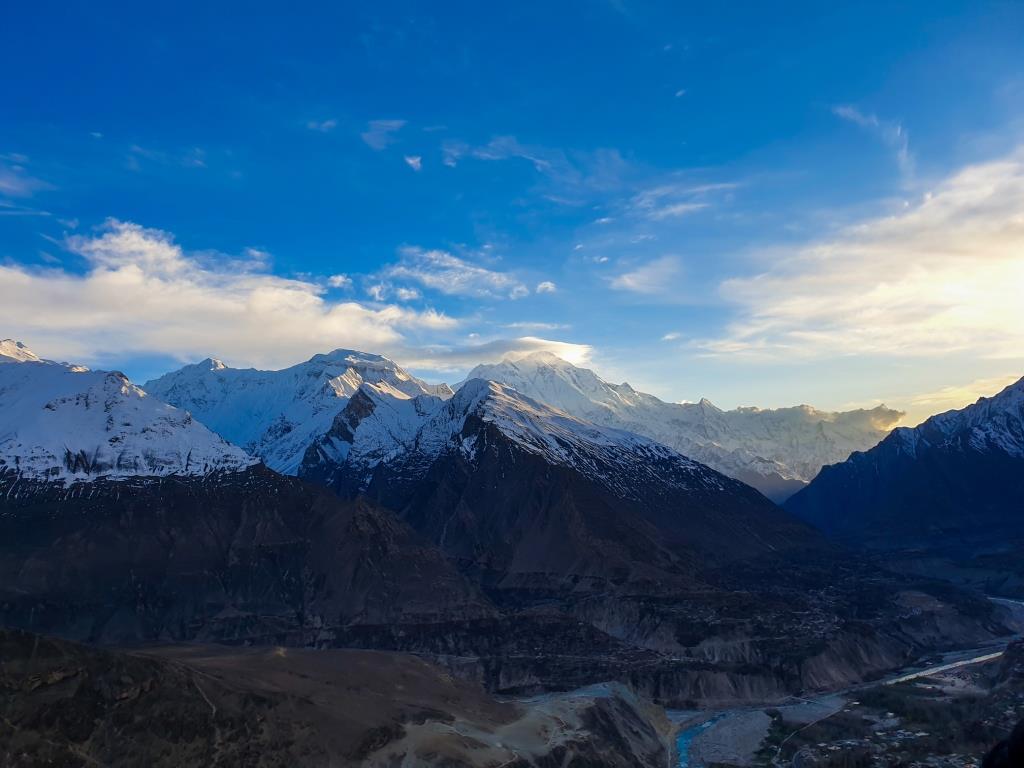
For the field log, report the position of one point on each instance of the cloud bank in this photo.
(944, 274)
(141, 293)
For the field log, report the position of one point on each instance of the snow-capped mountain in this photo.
(12, 351)
(388, 427)
(276, 415)
(516, 486)
(65, 422)
(776, 450)
(958, 476)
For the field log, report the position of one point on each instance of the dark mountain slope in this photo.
(248, 556)
(955, 481)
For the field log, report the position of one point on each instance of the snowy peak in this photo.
(62, 422)
(992, 424)
(775, 450)
(12, 351)
(379, 427)
(277, 415)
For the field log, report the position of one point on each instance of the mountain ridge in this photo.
(775, 450)
(954, 477)
(277, 414)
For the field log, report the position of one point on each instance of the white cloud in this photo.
(890, 132)
(546, 287)
(339, 281)
(378, 291)
(323, 126)
(380, 133)
(407, 294)
(942, 275)
(671, 336)
(142, 293)
(463, 357)
(414, 161)
(441, 271)
(654, 277)
(681, 92)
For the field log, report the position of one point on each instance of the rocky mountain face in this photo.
(958, 476)
(277, 414)
(65, 422)
(776, 451)
(185, 707)
(526, 494)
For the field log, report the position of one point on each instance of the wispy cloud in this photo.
(527, 325)
(675, 199)
(546, 286)
(655, 277)
(15, 180)
(189, 157)
(141, 292)
(414, 161)
(10, 209)
(959, 395)
(890, 132)
(568, 177)
(379, 134)
(323, 126)
(944, 274)
(448, 274)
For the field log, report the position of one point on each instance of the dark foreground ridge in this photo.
(191, 706)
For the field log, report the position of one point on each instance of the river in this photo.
(733, 735)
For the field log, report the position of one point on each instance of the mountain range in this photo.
(777, 451)
(503, 537)
(277, 414)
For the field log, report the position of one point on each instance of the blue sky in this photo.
(762, 206)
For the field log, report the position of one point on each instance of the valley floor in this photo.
(944, 714)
